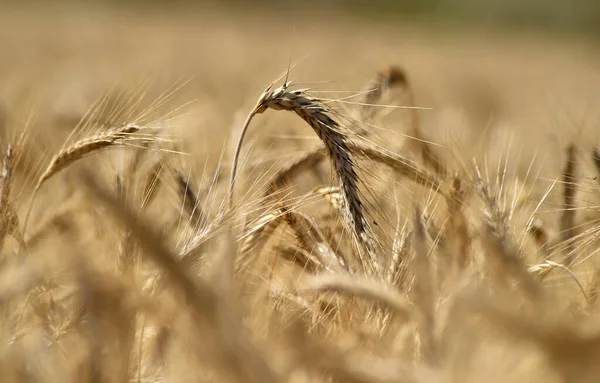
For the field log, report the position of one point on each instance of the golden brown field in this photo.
(411, 205)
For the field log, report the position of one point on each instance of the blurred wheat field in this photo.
(410, 204)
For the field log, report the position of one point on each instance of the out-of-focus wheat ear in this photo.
(402, 165)
(311, 240)
(422, 291)
(429, 157)
(386, 79)
(306, 161)
(541, 238)
(15, 227)
(190, 200)
(436, 235)
(567, 219)
(456, 230)
(398, 273)
(5, 205)
(596, 159)
(330, 259)
(505, 263)
(593, 291)
(364, 288)
(300, 257)
(257, 234)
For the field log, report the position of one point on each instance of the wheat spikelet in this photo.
(567, 220)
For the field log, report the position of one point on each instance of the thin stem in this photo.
(236, 156)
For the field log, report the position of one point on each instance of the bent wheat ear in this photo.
(315, 114)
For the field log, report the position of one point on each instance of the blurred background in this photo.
(524, 70)
(576, 15)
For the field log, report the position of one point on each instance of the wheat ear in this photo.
(314, 113)
(83, 147)
(80, 149)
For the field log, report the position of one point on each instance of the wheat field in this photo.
(274, 197)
